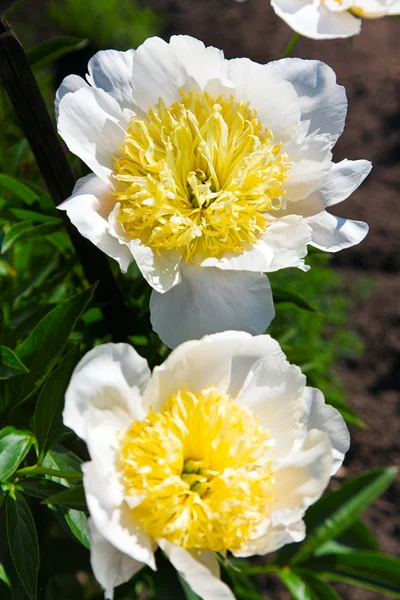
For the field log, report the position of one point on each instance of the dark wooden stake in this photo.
(30, 108)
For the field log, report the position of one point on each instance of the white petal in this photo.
(332, 233)
(71, 83)
(316, 22)
(222, 360)
(322, 101)
(199, 577)
(108, 382)
(110, 566)
(157, 73)
(284, 244)
(203, 64)
(209, 300)
(88, 209)
(161, 271)
(273, 392)
(115, 521)
(325, 418)
(274, 99)
(299, 481)
(111, 71)
(311, 161)
(345, 177)
(92, 125)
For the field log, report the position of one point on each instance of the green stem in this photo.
(32, 471)
(291, 45)
(260, 570)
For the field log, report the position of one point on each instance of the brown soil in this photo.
(370, 71)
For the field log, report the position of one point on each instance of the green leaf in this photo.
(30, 215)
(64, 460)
(48, 420)
(50, 50)
(26, 229)
(337, 510)
(39, 488)
(40, 351)
(295, 584)
(78, 524)
(3, 576)
(10, 364)
(14, 446)
(319, 589)
(356, 537)
(23, 542)
(371, 570)
(73, 497)
(18, 188)
(282, 294)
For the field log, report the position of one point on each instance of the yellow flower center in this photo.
(201, 465)
(199, 176)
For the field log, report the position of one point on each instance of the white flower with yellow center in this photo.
(329, 19)
(208, 173)
(221, 449)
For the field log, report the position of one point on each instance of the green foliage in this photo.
(119, 24)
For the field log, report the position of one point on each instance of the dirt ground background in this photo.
(370, 71)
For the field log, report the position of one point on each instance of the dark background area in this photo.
(369, 68)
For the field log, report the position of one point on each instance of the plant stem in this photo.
(28, 103)
(36, 470)
(291, 45)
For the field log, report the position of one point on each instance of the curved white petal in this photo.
(316, 22)
(332, 233)
(209, 300)
(111, 70)
(325, 418)
(284, 244)
(202, 63)
(106, 385)
(345, 177)
(88, 209)
(69, 84)
(300, 479)
(113, 518)
(199, 577)
(161, 271)
(274, 99)
(322, 101)
(92, 125)
(273, 391)
(110, 566)
(222, 360)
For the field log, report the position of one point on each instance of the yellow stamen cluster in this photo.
(199, 176)
(201, 465)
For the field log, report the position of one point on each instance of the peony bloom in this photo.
(222, 448)
(208, 173)
(329, 19)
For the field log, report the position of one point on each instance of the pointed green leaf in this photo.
(282, 294)
(48, 420)
(319, 589)
(10, 364)
(14, 446)
(78, 524)
(3, 576)
(50, 50)
(25, 230)
(18, 188)
(295, 584)
(337, 510)
(371, 570)
(40, 351)
(73, 497)
(23, 542)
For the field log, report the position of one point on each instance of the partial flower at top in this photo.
(222, 448)
(329, 19)
(208, 173)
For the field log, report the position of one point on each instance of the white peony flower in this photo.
(208, 173)
(329, 19)
(222, 448)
